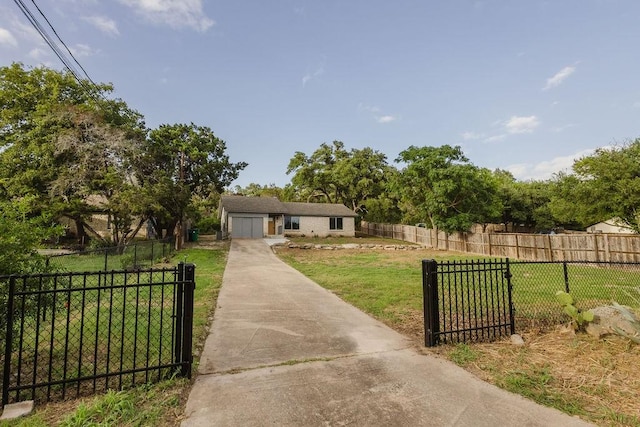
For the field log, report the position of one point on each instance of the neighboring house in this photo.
(258, 217)
(613, 225)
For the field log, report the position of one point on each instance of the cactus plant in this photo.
(579, 318)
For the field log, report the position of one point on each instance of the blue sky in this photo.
(521, 85)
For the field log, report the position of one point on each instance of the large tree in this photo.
(181, 161)
(439, 186)
(603, 186)
(333, 174)
(63, 141)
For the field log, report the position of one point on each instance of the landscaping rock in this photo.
(16, 410)
(610, 320)
(351, 246)
(517, 340)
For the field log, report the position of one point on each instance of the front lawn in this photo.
(152, 404)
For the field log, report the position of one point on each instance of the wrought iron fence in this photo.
(481, 300)
(132, 256)
(69, 334)
(466, 301)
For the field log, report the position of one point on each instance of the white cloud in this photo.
(377, 114)
(386, 119)
(80, 50)
(174, 13)
(38, 54)
(309, 76)
(559, 77)
(521, 124)
(6, 38)
(495, 138)
(104, 24)
(545, 169)
(471, 136)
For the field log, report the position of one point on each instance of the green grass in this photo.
(463, 354)
(533, 383)
(383, 283)
(340, 240)
(94, 260)
(146, 405)
(210, 265)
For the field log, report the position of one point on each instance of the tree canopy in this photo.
(335, 175)
(603, 186)
(439, 186)
(181, 161)
(79, 153)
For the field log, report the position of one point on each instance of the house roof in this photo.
(317, 209)
(260, 205)
(271, 205)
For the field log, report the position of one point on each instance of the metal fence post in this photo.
(512, 316)
(178, 301)
(566, 276)
(187, 335)
(430, 302)
(6, 374)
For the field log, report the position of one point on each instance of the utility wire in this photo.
(89, 88)
(63, 43)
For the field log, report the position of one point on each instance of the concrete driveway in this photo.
(283, 351)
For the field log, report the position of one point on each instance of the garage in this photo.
(247, 228)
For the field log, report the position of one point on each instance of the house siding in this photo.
(319, 226)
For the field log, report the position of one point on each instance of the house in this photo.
(258, 217)
(613, 225)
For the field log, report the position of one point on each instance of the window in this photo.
(291, 222)
(335, 223)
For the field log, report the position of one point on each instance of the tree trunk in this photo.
(178, 235)
(81, 234)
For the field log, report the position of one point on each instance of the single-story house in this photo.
(613, 225)
(258, 217)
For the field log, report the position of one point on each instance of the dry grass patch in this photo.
(578, 374)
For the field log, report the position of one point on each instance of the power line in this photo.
(89, 88)
(63, 43)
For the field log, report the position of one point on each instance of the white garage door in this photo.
(247, 228)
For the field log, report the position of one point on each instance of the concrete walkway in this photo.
(285, 352)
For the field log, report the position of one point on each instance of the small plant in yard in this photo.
(579, 317)
(462, 355)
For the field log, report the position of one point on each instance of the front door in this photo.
(272, 227)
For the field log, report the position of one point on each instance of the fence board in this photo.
(530, 247)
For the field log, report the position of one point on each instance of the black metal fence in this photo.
(70, 334)
(466, 301)
(132, 256)
(481, 300)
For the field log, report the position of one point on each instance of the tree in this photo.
(440, 186)
(21, 232)
(64, 141)
(181, 161)
(334, 175)
(257, 190)
(603, 185)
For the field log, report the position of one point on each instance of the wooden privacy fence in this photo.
(531, 247)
